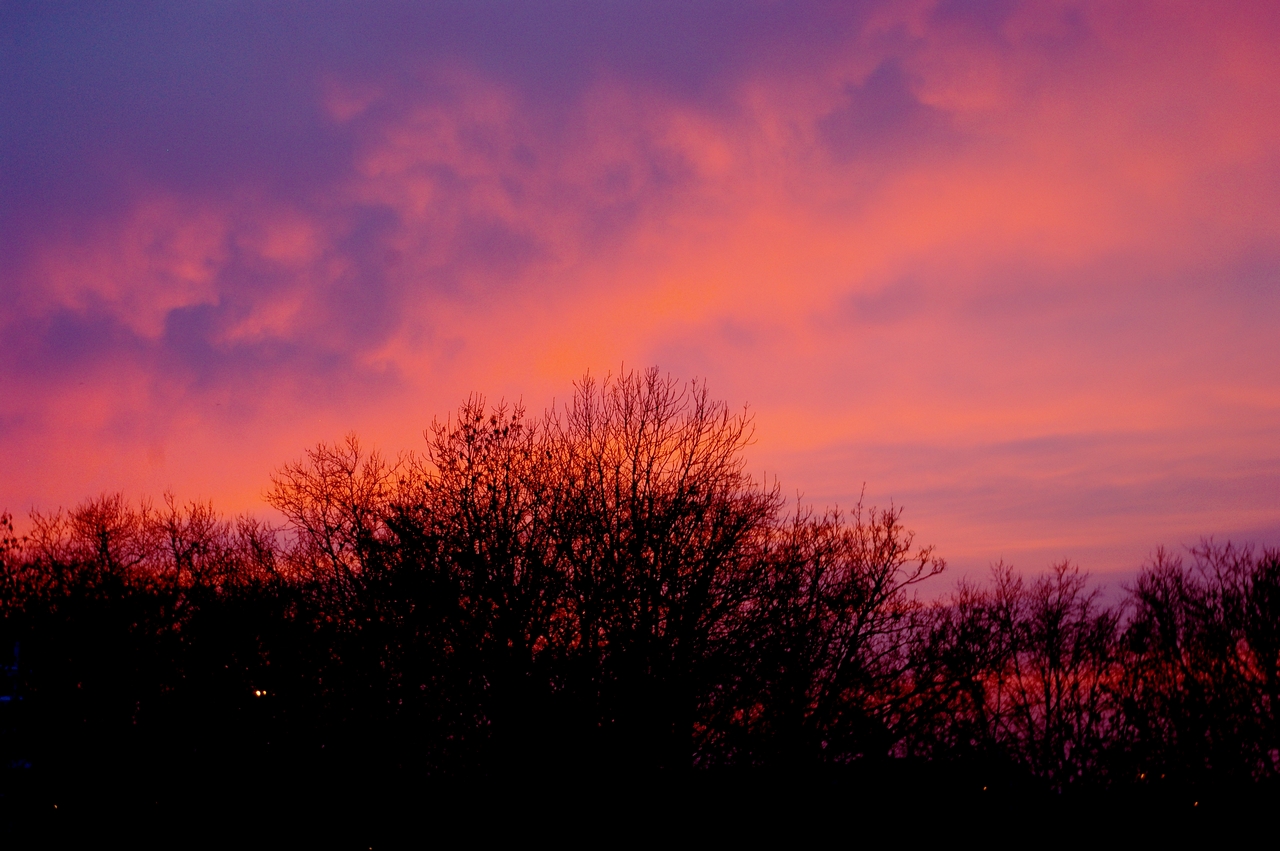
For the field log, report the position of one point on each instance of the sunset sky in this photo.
(1013, 266)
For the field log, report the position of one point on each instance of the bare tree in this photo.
(1203, 665)
(337, 499)
(607, 587)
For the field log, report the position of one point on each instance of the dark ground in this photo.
(900, 800)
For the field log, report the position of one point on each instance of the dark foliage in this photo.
(606, 589)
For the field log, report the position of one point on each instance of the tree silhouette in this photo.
(604, 591)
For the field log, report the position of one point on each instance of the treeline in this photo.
(606, 587)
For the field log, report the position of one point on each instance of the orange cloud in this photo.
(1004, 271)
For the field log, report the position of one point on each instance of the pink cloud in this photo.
(1017, 274)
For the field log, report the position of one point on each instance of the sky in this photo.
(1012, 266)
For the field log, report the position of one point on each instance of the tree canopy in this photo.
(605, 586)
